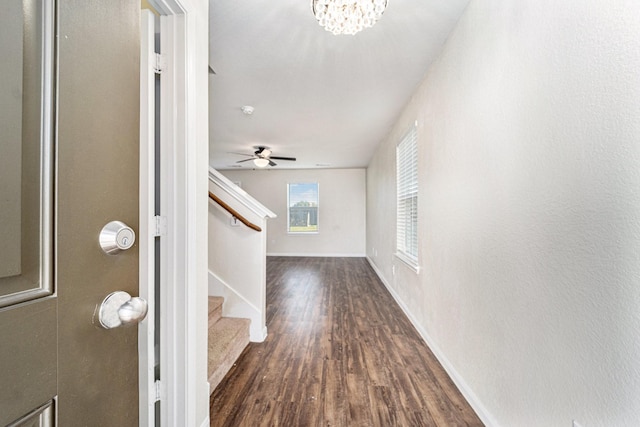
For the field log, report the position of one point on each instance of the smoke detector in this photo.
(247, 110)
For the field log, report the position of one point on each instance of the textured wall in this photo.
(529, 226)
(341, 211)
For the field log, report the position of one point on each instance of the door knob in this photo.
(120, 309)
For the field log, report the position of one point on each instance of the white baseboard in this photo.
(236, 305)
(464, 388)
(317, 255)
(206, 422)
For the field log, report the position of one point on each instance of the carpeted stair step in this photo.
(228, 337)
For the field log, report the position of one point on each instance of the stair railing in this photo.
(233, 212)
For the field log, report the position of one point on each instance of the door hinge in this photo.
(158, 391)
(159, 226)
(160, 63)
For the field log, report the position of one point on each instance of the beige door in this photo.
(68, 166)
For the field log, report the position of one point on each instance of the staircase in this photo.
(228, 336)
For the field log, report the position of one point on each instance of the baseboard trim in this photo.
(482, 412)
(317, 255)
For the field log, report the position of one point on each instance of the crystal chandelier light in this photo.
(348, 16)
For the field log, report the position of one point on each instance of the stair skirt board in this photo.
(237, 305)
(228, 337)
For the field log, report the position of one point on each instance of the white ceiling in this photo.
(327, 100)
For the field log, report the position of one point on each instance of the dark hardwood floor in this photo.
(340, 352)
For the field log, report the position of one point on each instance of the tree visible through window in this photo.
(303, 208)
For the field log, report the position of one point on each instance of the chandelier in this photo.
(348, 16)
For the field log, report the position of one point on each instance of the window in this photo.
(407, 202)
(302, 214)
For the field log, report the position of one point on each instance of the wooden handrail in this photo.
(234, 212)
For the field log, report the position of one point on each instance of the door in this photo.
(69, 153)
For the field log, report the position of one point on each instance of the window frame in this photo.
(303, 233)
(407, 190)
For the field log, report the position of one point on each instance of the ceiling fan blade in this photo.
(245, 160)
(271, 163)
(293, 159)
(241, 154)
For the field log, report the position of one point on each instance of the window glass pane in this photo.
(303, 208)
(407, 197)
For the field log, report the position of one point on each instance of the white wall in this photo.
(529, 225)
(237, 263)
(341, 211)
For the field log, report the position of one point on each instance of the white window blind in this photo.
(407, 202)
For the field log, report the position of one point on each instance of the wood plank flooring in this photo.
(340, 352)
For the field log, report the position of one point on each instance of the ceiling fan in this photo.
(262, 157)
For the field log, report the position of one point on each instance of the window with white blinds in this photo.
(407, 202)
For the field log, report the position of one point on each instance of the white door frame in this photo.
(184, 168)
(146, 229)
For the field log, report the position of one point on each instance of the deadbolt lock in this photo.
(116, 236)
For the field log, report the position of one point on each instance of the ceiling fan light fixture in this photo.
(348, 16)
(261, 163)
(262, 157)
